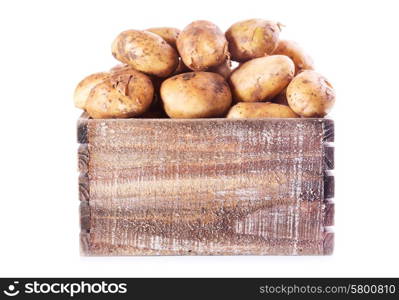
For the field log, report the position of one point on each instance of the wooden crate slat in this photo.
(329, 157)
(84, 187)
(85, 216)
(83, 158)
(328, 128)
(329, 213)
(328, 244)
(82, 129)
(329, 186)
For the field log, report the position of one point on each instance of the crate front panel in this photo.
(204, 187)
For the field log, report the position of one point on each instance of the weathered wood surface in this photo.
(206, 187)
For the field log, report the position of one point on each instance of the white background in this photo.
(47, 47)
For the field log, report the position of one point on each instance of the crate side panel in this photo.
(206, 188)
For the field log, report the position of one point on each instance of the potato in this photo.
(261, 79)
(196, 95)
(252, 39)
(310, 94)
(202, 45)
(84, 87)
(169, 34)
(146, 52)
(120, 68)
(291, 49)
(224, 69)
(124, 94)
(181, 68)
(281, 98)
(260, 110)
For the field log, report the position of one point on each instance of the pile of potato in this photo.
(188, 74)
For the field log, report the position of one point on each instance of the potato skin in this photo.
(252, 38)
(84, 87)
(124, 94)
(202, 45)
(261, 79)
(196, 95)
(181, 68)
(146, 52)
(120, 68)
(291, 49)
(281, 98)
(310, 94)
(224, 69)
(260, 110)
(169, 34)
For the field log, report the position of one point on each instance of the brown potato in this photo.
(196, 95)
(202, 45)
(84, 87)
(120, 68)
(224, 69)
(252, 39)
(181, 68)
(156, 82)
(291, 49)
(146, 52)
(261, 79)
(310, 94)
(260, 110)
(169, 34)
(281, 98)
(123, 95)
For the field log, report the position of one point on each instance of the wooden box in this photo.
(206, 186)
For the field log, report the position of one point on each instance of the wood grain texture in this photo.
(329, 213)
(329, 157)
(206, 187)
(83, 158)
(84, 187)
(328, 129)
(329, 186)
(82, 128)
